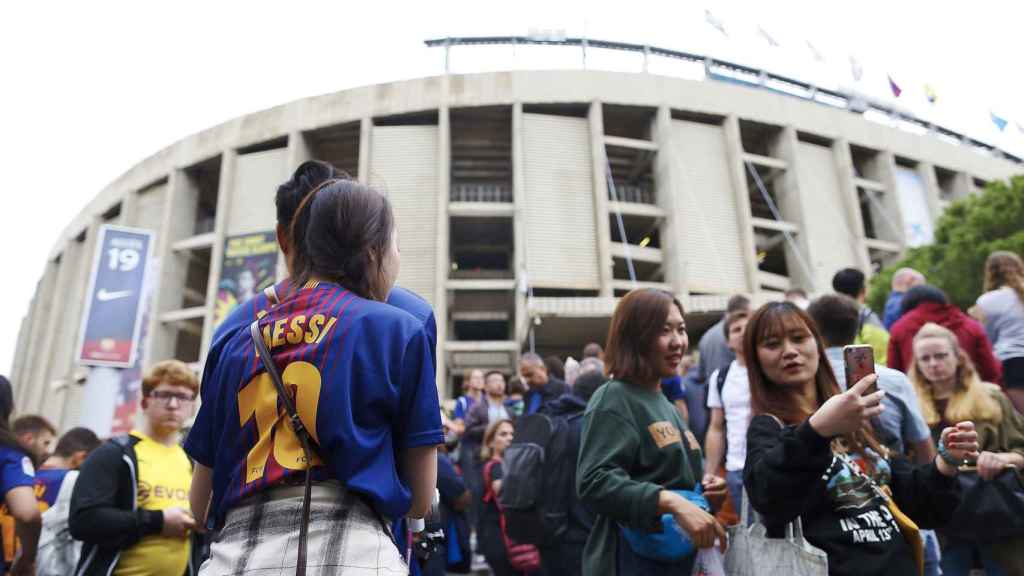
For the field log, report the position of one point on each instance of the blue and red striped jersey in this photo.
(361, 374)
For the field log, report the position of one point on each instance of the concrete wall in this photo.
(560, 198)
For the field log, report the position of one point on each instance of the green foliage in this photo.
(968, 231)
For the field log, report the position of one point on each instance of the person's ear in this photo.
(282, 240)
(77, 458)
(145, 403)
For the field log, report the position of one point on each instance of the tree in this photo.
(967, 232)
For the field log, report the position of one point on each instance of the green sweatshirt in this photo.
(634, 445)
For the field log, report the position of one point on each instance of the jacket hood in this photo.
(566, 404)
(946, 315)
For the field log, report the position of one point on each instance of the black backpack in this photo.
(535, 492)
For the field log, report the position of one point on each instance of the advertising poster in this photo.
(249, 266)
(113, 310)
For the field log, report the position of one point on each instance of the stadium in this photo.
(527, 202)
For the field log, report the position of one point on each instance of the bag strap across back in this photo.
(300, 432)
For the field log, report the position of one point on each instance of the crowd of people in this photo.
(321, 444)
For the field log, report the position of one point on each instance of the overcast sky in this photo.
(94, 87)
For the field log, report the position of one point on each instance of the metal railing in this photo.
(632, 193)
(724, 70)
(474, 192)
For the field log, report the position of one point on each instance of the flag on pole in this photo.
(999, 121)
(856, 69)
(715, 22)
(930, 94)
(896, 90)
(767, 37)
(815, 52)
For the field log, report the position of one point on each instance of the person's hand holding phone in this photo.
(847, 412)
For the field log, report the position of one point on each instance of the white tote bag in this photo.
(752, 553)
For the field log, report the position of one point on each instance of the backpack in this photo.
(58, 552)
(538, 489)
(522, 557)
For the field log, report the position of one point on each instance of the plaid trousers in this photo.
(260, 537)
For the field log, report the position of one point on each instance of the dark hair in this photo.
(849, 281)
(737, 303)
(306, 177)
(592, 350)
(7, 437)
(493, 372)
(341, 233)
(555, 366)
(838, 318)
(731, 319)
(32, 424)
(515, 385)
(920, 294)
(588, 383)
(636, 324)
(766, 397)
(76, 440)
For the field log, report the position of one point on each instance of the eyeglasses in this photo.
(166, 397)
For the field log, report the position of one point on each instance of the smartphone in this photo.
(860, 362)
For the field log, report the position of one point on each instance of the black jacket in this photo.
(549, 392)
(790, 472)
(104, 515)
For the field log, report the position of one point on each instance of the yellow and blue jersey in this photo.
(361, 374)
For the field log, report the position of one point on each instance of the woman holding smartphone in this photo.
(812, 455)
(949, 389)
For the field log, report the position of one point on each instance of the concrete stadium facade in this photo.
(523, 200)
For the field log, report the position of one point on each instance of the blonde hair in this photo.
(971, 399)
(485, 449)
(1004, 268)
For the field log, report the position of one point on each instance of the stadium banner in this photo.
(249, 266)
(113, 310)
(918, 228)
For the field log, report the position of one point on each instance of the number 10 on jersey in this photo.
(258, 400)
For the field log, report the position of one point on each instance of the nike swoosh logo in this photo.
(104, 296)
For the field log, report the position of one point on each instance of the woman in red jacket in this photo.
(926, 303)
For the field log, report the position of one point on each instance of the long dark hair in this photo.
(7, 437)
(766, 397)
(341, 232)
(639, 318)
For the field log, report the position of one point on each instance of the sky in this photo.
(95, 87)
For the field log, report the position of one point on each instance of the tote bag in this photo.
(752, 553)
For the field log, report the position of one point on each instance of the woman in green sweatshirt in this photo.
(635, 449)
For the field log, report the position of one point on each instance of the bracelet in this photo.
(948, 458)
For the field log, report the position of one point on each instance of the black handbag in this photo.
(989, 510)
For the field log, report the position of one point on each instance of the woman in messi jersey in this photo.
(17, 479)
(362, 377)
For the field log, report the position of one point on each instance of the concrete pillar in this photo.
(599, 162)
(66, 347)
(886, 168)
(792, 210)
(178, 223)
(299, 151)
(40, 383)
(43, 310)
(444, 168)
(668, 182)
(225, 188)
(734, 152)
(129, 209)
(962, 185)
(365, 133)
(851, 202)
(20, 350)
(522, 321)
(931, 187)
